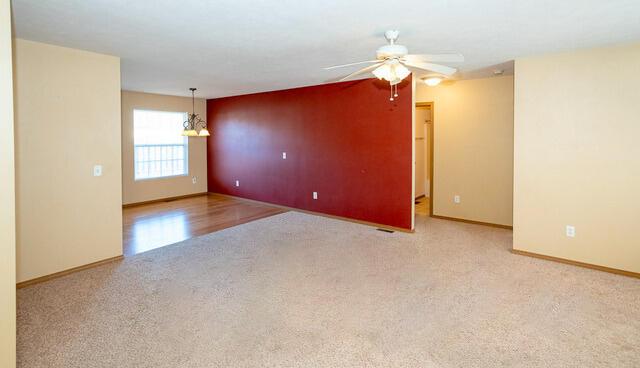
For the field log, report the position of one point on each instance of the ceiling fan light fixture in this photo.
(391, 72)
(432, 81)
(393, 61)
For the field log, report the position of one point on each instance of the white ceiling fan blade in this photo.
(350, 64)
(440, 58)
(442, 69)
(361, 71)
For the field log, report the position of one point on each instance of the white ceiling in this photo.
(231, 47)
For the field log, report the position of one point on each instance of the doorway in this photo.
(423, 126)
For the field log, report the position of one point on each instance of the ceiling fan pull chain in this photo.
(390, 92)
(396, 92)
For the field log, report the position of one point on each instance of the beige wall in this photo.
(7, 198)
(67, 120)
(473, 148)
(577, 156)
(146, 190)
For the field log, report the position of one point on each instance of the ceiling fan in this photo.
(393, 61)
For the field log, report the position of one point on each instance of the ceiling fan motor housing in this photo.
(391, 51)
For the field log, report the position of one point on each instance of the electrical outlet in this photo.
(237, 183)
(97, 170)
(284, 155)
(571, 231)
(194, 180)
(315, 195)
(456, 199)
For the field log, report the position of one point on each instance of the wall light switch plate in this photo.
(194, 180)
(456, 199)
(237, 183)
(97, 170)
(315, 195)
(571, 231)
(284, 155)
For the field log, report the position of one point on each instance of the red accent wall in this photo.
(346, 141)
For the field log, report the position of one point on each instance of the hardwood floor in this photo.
(154, 225)
(422, 206)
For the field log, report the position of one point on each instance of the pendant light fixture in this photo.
(194, 126)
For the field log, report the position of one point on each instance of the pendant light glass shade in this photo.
(204, 133)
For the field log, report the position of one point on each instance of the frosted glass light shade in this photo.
(391, 72)
(401, 72)
(432, 81)
(383, 72)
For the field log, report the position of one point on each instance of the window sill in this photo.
(161, 177)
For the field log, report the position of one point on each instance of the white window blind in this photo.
(159, 148)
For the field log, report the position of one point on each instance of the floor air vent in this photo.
(386, 231)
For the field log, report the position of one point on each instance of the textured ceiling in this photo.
(231, 47)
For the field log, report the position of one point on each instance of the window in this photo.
(159, 148)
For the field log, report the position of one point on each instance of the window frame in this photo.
(135, 153)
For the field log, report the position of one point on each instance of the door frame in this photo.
(430, 129)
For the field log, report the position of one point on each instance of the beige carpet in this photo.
(296, 290)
